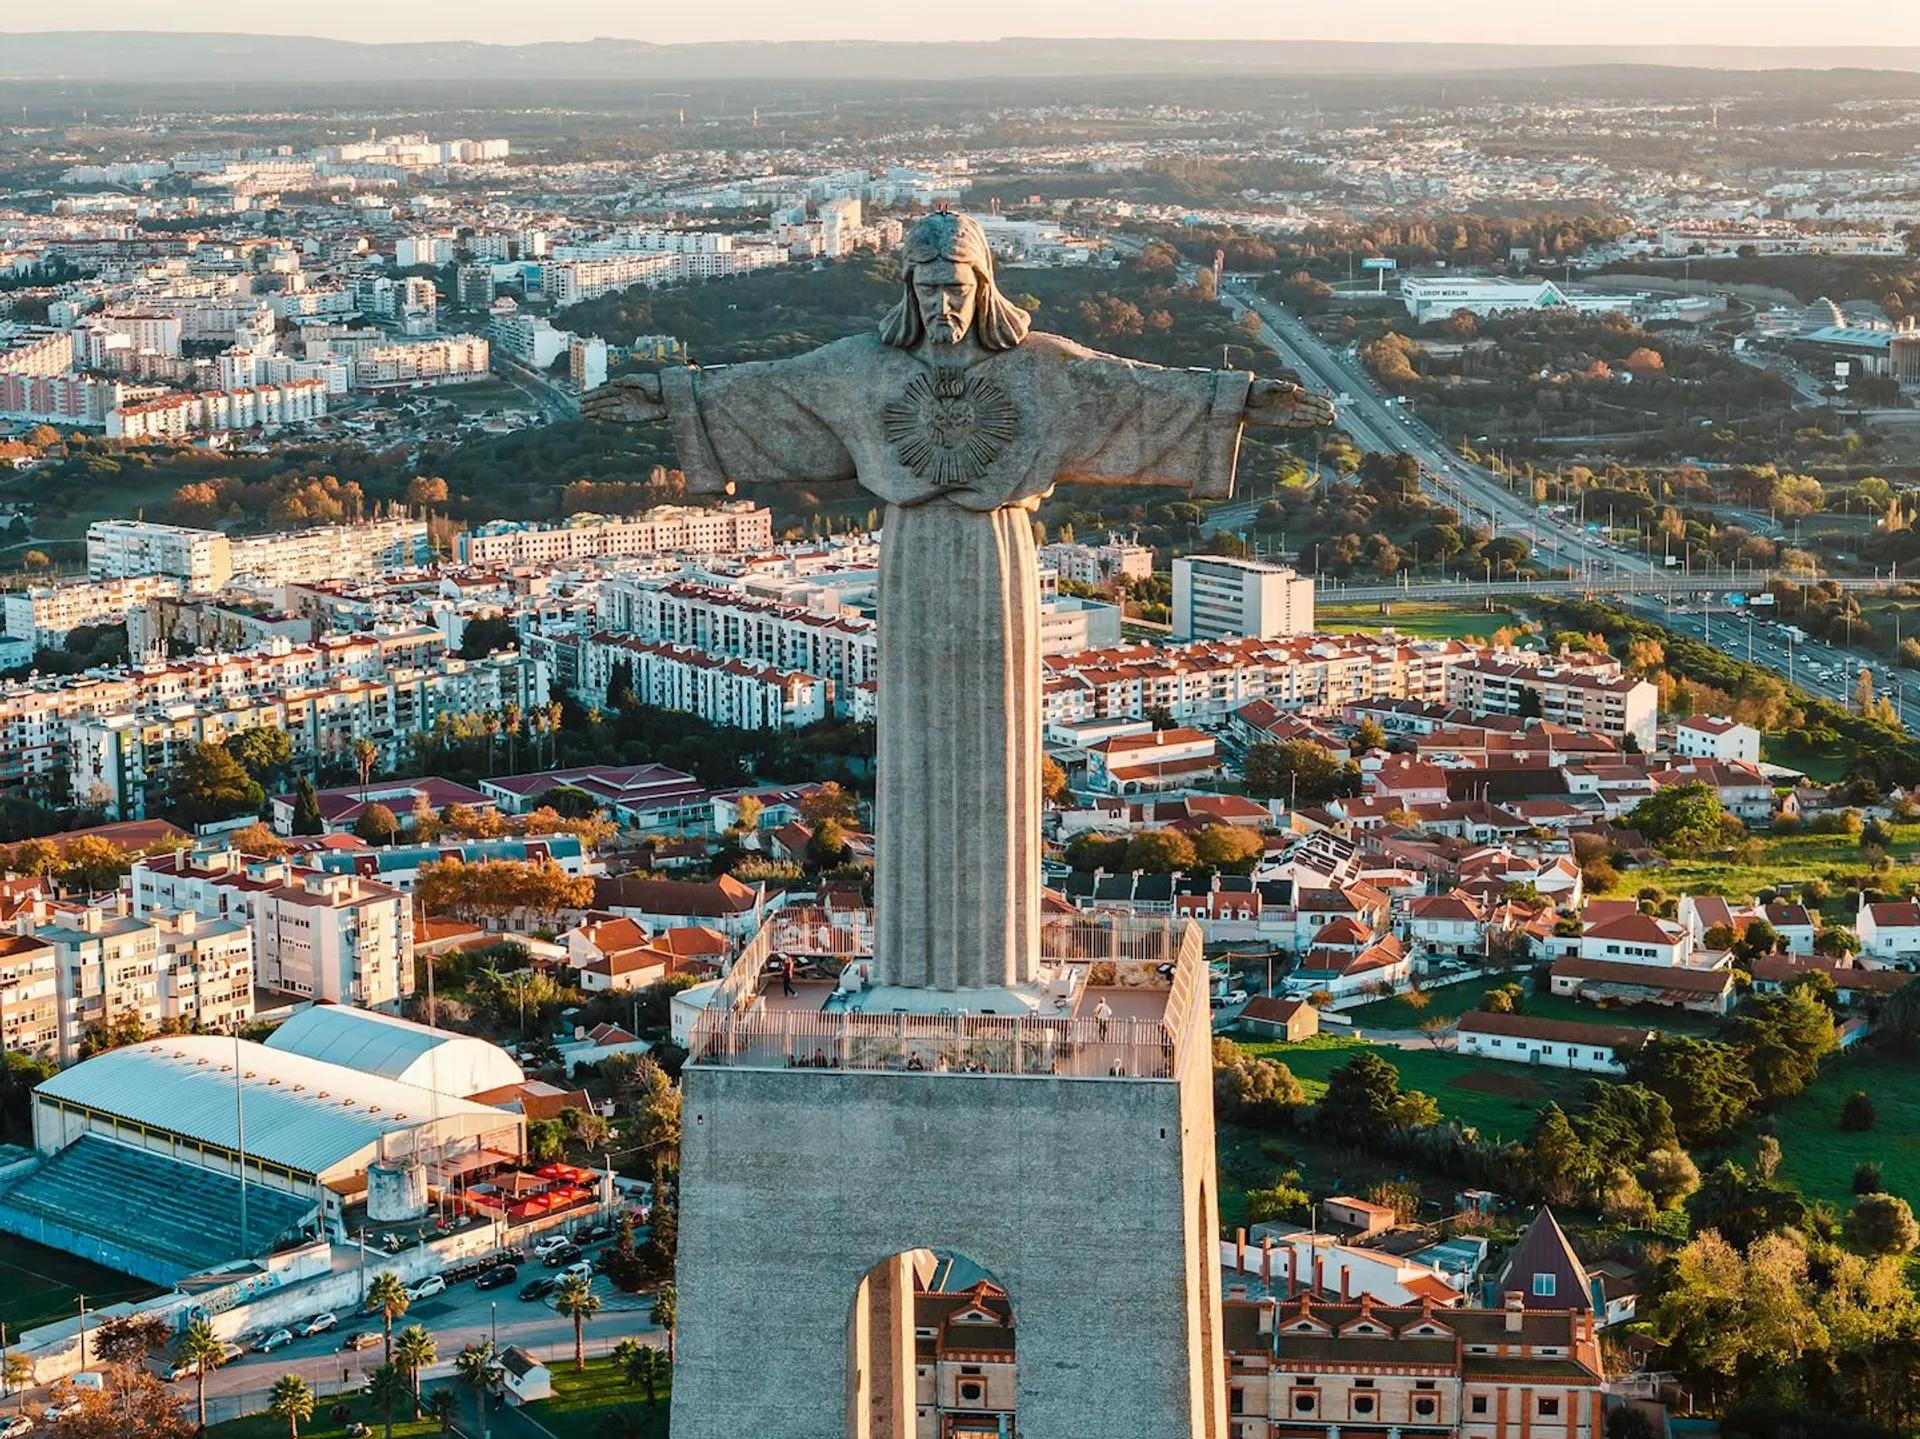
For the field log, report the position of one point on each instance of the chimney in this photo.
(1264, 1323)
(1240, 1250)
(1516, 1306)
(1293, 1285)
(1266, 1262)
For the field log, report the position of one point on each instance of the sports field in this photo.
(38, 1285)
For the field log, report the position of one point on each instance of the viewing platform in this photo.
(1116, 1000)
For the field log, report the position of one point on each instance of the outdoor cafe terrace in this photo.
(1115, 1000)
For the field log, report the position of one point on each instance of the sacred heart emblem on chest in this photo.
(948, 425)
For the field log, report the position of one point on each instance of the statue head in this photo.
(948, 275)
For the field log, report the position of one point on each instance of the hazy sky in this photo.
(1751, 22)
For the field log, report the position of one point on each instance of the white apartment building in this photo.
(1098, 565)
(121, 759)
(385, 363)
(740, 693)
(325, 552)
(1716, 737)
(46, 614)
(214, 884)
(206, 971)
(35, 350)
(172, 416)
(201, 560)
(107, 967)
(842, 649)
(567, 282)
(155, 333)
(587, 362)
(29, 996)
(340, 938)
(1596, 698)
(1220, 597)
(737, 527)
(61, 399)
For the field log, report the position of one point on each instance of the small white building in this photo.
(524, 1379)
(1555, 1043)
(1716, 737)
(1889, 933)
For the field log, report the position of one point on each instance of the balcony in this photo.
(1115, 1001)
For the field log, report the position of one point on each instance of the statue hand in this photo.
(1293, 407)
(628, 400)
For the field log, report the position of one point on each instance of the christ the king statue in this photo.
(962, 421)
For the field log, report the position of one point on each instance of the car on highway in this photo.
(565, 1254)
(319, 1324)
(279, 1339)
(433, 1284)
(539, 1288)
(497, 1277)
(360, 1339)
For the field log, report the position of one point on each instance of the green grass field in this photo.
(1790, 859)
(1499, 1100)
(266, 1426)
(1425, 621)
(1823, 766)
(1819, 1157)
(39, 1285)
(583, 1402)
(1453, 1000)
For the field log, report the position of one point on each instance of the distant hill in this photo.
(147, 56)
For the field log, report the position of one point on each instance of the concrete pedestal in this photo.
(1093, 1201)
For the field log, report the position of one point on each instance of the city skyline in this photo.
(1776, 23)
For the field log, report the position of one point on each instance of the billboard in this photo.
(1379, 262)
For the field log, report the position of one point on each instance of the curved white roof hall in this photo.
(399, 1049)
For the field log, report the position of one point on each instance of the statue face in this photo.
(945, 293)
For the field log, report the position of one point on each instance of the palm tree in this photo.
(387, 1297)
(202, 1348)
(16, 1372)
(291, 1400)
(644, 1367)
(443, 1406)
(387, 1386)
(364, 758)
(474, 1365)
(510, 722)
(575, 1299)
(666, 1314)
(414, 1351)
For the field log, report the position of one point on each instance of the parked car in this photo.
(361, 1339)
(433, 1284)
(581, 1270)
(565, 1254)
(546, 1244)
(593, 1233)
(497, 1277)
(319, 1324)
(539, 1288)
(14, 1425)
(279, 1339)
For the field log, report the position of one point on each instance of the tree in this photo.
(365, 757)
(258, 839)
(1160, 851)
(1367, 735)
(1053, 782)
(1784, 1037)
(124, 1344)
(474, 1367)
(1703, 1080)
(1856, 1111)
(575, 1298)
(1866, 1178)
(665, 1315)
(1231, 849)
(1364, 1099)
(265, 754)
(16, 1372)
(306, 809)
(827, 845)
(388, 1388)
(377, 824)
(201, 1348)
(571, 802)
(1502, 999)
(206, 784)
(1834, 939)
(413, 1350)
(1558, 1162)
(641, 1366)
(1882, 1224)
(828, 801)
(1669, 1176)
(442, 1406)
(1680, 816)
(484, 636)
(1281, 1200)
(291, 1400)
(500, 889)
(1742, 1207)
(387, 1297)
(1299, 771)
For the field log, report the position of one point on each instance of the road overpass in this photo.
(1654, 584)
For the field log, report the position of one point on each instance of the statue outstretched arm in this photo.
(1287, 405)
(759, 423)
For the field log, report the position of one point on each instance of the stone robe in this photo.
(962, 444)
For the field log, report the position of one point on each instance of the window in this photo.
(1543, 1285)
(1478, 1404)
(1424, 1407)
(972, 1392)
(1303, 1403)
(1549, 1407)
(1363, 1404)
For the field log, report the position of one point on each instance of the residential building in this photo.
(1549, 1043)
(1704, 991)
(200, 560)
(1636, 939)
(1598, 698)
(736, 527)
(587, 362)
(1298, 1368)
(206, 971)
(744, 694)
(1097, 565)
(1220, 597)
(335, 937)
(1152, 759)
(1716, 737)
(1889, 933)
(29, 996)
(177, 414)
(46, 614)
(325, 552)
(650, 798)
(107, 966)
